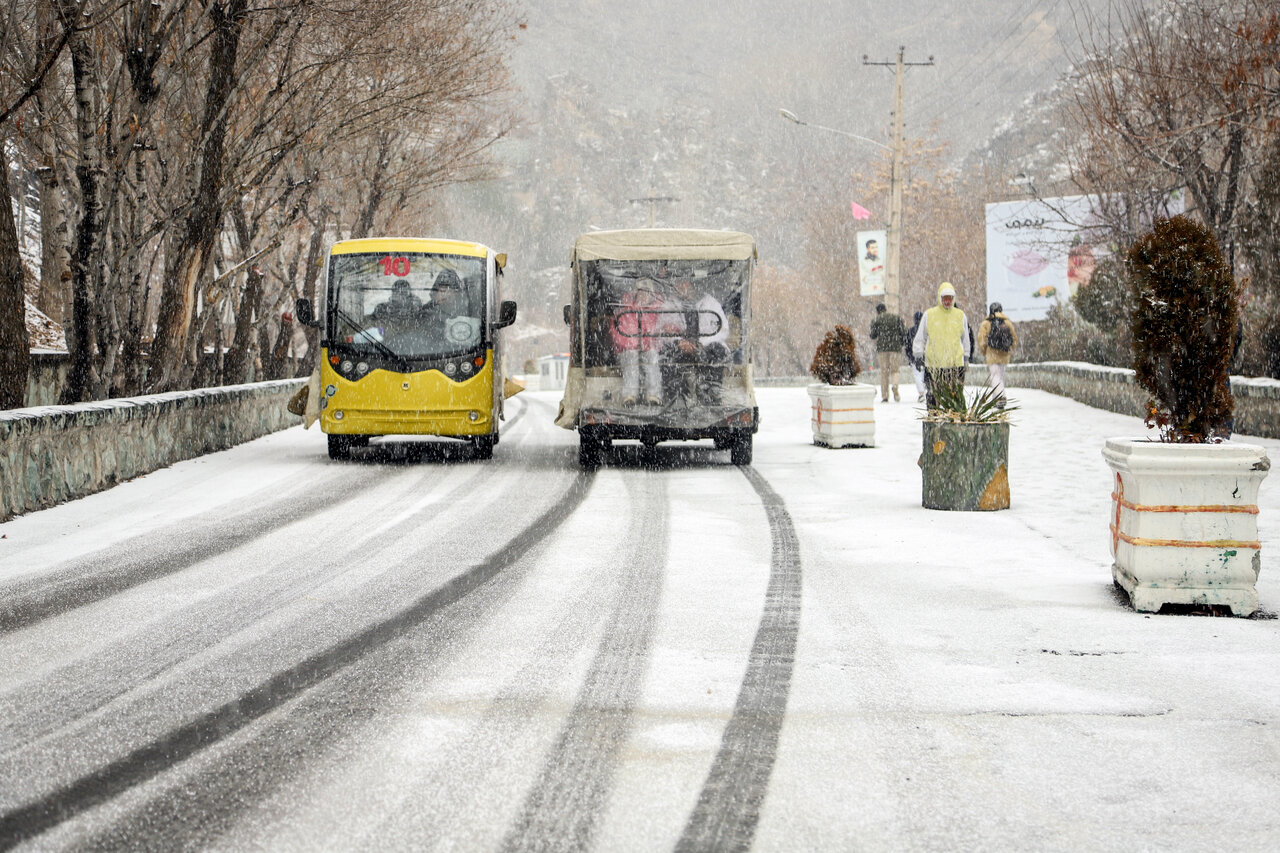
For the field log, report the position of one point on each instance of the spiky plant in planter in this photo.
(964, 461)
(843, 410)
(1183, 316)
(836, 360)
(1184, 526)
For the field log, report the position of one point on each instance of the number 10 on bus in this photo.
(395, 266)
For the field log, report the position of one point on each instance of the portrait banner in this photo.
(871, 251)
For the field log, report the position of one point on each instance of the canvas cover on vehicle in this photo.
(655, 244)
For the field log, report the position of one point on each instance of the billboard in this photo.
(871, 250)
(1039, 252)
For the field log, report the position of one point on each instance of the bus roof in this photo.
(409, 244)
(664, 244)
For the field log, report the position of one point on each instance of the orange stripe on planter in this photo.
(1245, 508)
(1183, 543)
(862, 409)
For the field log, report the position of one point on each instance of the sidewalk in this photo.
(988, 659)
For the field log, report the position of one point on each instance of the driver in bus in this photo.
(699, 331)
(445, 315)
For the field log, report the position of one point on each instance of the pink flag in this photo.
(859, 212)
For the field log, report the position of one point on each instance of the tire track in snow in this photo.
(147, 762)
(728, 807)
(562, 810)
(94, 577)
(89, 683)
(97, 576)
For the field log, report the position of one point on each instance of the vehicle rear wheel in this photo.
(482, 446)
(589, 452)
(340, 447)
(740, 451)
(723, 443)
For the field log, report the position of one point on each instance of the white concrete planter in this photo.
(843, 415)
(1184, 522)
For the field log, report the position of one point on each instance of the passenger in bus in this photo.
(402, 304)
(397, 318)
(633, 330)
(696, 330)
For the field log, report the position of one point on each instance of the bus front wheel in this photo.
(483, 446)
(340, 446)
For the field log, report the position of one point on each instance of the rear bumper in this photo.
(714, 424)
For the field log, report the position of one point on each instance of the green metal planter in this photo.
(965, 466)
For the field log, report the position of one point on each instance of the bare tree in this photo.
(1179, 95)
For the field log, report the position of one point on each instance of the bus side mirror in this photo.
(302, 310)
(500, 260)
(568, 315)
(506, 314)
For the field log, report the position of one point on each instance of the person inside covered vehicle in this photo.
(696, 350)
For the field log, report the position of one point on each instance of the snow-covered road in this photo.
(262, 649)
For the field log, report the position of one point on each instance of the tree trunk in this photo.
(192, 255)
(965, 466)
(82, 338)
(310, 275)
(15, 349)
(55, 272)
(237, 362)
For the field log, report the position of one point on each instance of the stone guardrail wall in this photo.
(1257, 401)
(53, 454)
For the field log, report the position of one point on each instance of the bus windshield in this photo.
(407, 304)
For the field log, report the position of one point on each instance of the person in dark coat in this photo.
(890, 336)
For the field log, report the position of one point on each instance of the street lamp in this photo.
(892, 236)
(790, 116)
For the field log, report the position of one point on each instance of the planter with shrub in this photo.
(1184, 518)
(842, 408)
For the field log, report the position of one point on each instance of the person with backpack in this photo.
(917, 364)
(996, 339)
(890, 337)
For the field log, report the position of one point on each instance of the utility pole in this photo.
(653, 200)
(894, 232)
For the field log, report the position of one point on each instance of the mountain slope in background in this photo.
(679, 100)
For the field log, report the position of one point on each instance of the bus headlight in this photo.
(362, 367)
(466, 367)
(346, 366)
(451, 368)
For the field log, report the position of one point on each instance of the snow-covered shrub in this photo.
(836, 360)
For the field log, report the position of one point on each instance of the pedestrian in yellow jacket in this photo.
(943, 342)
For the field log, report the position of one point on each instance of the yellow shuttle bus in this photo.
(410, 341)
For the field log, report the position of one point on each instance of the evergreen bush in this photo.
(1102, 301)
(1183, 319)
(836, 359)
